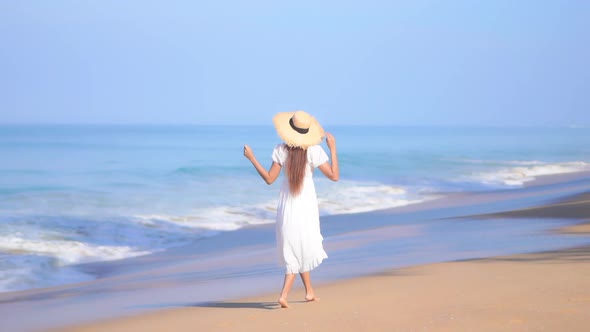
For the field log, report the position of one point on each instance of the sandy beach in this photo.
(537, 292)
(544, 291)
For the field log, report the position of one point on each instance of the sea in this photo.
(75, 194)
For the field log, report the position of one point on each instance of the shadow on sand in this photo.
(237, 305)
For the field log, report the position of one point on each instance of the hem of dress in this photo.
(306, 267)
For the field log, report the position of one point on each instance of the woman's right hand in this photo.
(330, 141)
(248, 152)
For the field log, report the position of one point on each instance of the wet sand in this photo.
(575, 207)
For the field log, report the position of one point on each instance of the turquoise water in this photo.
(71, 194)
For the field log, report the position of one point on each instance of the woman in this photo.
(299, 240)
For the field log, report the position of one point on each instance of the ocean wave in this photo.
(517, 176)
(19, 272)
(42, 250)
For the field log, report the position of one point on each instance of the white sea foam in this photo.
(221, 218)
(67, 252)
(354, 197)
(341, 198)
(499, 162)
(517, 176)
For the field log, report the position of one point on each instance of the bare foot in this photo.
(311, 298)
(283, 302)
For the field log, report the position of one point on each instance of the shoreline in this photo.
(103, 269)
(216, 270)
(546, 290)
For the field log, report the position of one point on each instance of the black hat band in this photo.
(297, 129)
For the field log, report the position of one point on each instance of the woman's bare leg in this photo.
(309, 293)
(287, 284)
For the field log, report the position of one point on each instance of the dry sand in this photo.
(547, 291)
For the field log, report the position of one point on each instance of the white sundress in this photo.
(299, 240)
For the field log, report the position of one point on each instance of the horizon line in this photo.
(573, 126)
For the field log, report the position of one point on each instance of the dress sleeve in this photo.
(279, 155)
(317, 155)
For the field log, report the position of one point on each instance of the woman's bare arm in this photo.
(331, 170)
(268, 176)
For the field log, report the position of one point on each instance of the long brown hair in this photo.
(296, 163)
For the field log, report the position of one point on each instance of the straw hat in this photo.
(298, 129)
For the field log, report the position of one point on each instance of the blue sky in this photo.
(363, 62)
